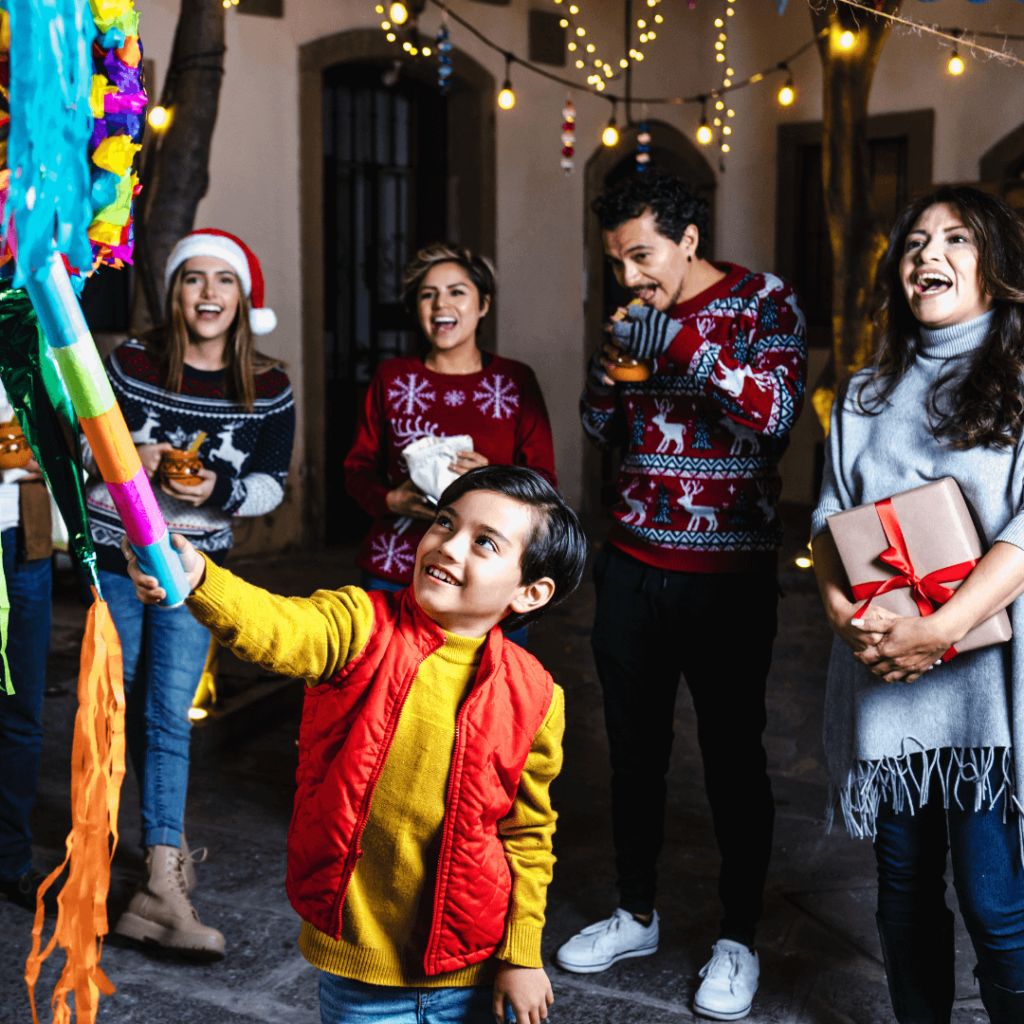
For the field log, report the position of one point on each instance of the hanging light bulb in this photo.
(704, 130)
(847, 40)
(159, 118)
(956, 63)
(507, 96)
(610, 136)
(399, 13)
(787, 94)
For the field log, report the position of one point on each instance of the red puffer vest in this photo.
(347, 727)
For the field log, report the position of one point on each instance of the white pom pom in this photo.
(262, 321)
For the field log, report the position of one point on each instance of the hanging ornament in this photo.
(643, 148)
(568, 136)
(444, 58)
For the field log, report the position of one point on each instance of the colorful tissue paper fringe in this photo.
(88, 186)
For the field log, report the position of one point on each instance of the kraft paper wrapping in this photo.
(939, 532)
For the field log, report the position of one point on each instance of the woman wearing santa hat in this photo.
(199, 372)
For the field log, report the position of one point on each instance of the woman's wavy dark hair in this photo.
(986, 408)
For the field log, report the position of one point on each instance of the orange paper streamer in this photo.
(112, 446)
(97, 768)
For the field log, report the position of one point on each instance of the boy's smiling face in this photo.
(468, 565)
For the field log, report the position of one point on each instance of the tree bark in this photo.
(856, 234)
(175, 173)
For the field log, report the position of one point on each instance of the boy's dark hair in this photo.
(557, 547)
(671, 200)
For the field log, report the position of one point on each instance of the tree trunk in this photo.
(857, 237)
(175, 174)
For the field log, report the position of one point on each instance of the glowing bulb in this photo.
(623, 63)
(581, 32)
(718, 122)
(198, 714)
(399, 13)
(379, 9)
(727, 130)
(719, 23)
(720, 57)
(574, 9)
(639, 55)
(227, 3)
(804, 563)
(731, 113)
(725, 147)
(386, 25)
(722, 36)
(591, 47)
(426, 51)
(729, 71)
(846, 40)
(413, 51)
(719, 45)
(727, 82)
(159, 118)
(658, 19)
(506, 98)
(787, 94)
(641, 23)
(600, 85)
(956, 64)
(391, 37)
(563, 23)
(608, 72)
(729, 12)
(652, 35)
(704, 134)
(579, 63)
(610, 136)
(572, 47)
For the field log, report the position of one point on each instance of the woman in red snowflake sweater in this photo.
(454, 389)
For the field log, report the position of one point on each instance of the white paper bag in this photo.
(428, 460)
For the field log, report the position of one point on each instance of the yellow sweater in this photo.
(388, 906)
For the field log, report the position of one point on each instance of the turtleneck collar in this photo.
(956, 340)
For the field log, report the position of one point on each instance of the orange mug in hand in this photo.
(14, 450)
(182, 467)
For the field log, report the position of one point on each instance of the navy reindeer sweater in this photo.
(704, 434)
(249, 451)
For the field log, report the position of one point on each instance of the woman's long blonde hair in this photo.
(169, 342)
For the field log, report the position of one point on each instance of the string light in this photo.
(787, 94)
(704, 135)
(846, 40)
(643, 147)
(956, 64)
(610, 136)
(568, 136)
(507, 96)
(399, 13)
(159, 119)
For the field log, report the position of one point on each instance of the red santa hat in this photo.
(237, 255)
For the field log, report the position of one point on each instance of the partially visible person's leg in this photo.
(466, 1005)
(21, 733)
(726, 672)
(989, 879)
(914, 925)
(343, 1001)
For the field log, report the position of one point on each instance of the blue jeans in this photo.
(911, 853)
(368, 582)
(21, 730)
(343, 1001)
(164, 652)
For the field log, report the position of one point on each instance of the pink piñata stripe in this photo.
(136, 505)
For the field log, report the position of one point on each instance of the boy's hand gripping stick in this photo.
(103, 424)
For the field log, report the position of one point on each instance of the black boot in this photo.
(1003, 1006)
(919, 961)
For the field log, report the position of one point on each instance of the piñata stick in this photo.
(103, 424)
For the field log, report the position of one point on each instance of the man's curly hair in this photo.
(673, 204)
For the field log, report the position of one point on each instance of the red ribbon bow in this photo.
(927, 591)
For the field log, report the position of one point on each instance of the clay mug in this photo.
(14, 450)
(624, 366)
(182, 467)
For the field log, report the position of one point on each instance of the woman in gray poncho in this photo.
(927, 761)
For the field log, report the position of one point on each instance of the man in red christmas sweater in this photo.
(687, 581)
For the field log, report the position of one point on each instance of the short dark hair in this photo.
(671, 200)
(557, 546)
(479, 269)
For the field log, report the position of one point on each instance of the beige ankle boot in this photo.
(160, 911)
(189, 860)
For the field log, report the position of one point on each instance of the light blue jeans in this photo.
(164, 651)
(343, 1001)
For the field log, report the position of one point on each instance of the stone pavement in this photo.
(820, 962)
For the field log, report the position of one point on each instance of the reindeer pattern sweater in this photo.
(501, 408)
(704, 434)
(249, 451)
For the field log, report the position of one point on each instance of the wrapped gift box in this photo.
(931, 535)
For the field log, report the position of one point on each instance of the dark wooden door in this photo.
(385, 196)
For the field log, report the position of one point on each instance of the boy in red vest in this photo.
(419, 852)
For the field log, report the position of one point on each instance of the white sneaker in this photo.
(730, 981)
(600, 945)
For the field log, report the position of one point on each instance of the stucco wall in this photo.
(256, 175)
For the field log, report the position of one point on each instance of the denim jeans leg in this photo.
(166, 673)
(21, 733)
(460, 1005)
(989, 880)
(344, 1001)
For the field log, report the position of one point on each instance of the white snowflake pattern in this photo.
(497, 396)
(455, 397)
(411, 395)
(390, 553)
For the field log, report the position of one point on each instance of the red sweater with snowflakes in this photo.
(501, 408)
(704, 434)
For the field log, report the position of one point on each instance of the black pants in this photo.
(717, 630)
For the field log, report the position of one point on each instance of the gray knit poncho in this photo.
(974, 704)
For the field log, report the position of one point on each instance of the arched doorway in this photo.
(673, 153)
(388, 165)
